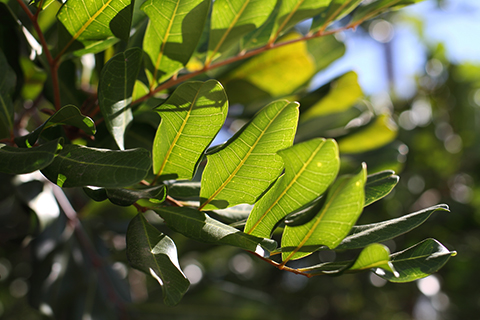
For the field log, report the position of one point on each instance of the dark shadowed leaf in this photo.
(418, 261)
(126, 197)
(191, 118)
(363, 235)
(310, 167)
(7, 83)
(199, 226)
(154, 253)
(68, 115)
(78, 166)
(115, 90)
(248, 163)
(21, 160)
(184, 190)
(336, 11)
(379, 185)
(342, 207)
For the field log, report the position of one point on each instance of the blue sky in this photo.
(456, 24)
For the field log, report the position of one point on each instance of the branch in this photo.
(241, 56)
(281, 266)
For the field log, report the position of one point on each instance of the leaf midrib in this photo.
(287, 19)
(84, 27)
(164, 42)
(294, 180)
(227, 32)
(318, 220)
(240, 165)
(179, 133)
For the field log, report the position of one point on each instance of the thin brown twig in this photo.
(281, 266)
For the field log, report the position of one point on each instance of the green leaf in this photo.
(277, 72)
(185, 190)
(115, 90)
(374, 255)
(336, 11)
(154, 253)
(127, 197)
(248, 163)
(232, 19)
(342, 207)
(21, 160)
(237, 214)
(199, 226)
(417, 262)
(376, 8)
(380, 132)
(78, 166)
(310, 167)
(7, 84)
(67, 115)
(379, 185)
(294, 11)
(344, 93)
(363, 235)
(173, 33)
(191, 118)
(95, 21)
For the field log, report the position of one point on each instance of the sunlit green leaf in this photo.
(248, 163)
(115, 90)
(336, 11)
(379, 185)
(344, 92)
(342, 207)
(374, 255)
(126, 197)
(310, 167)
(232, 19)
(68, 115)
(199, 226)
(417, 262)
(94, 21)
(155, 254)
(78, 166)
(21, 160)
(293, 11)
(363, 235)
(380, 132)
(378, 7)
(191, 118)
(172, 34)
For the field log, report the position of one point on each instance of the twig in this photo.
(282, 266)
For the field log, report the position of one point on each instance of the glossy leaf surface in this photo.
(191, 118)
(379, 185)
(248, 163)
(155, 254)
(115, 91)
(232, 19)
(68, 115)
(343, 205)
(127, 197)
(172, 34)
(363, 235)
(310, 167)
(199, 226)
(21, 160)
(90, 22)
(374, 255)
(418, 261)
(78, 166)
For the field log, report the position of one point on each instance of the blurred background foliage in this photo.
(427, 136)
